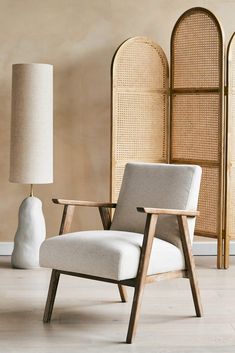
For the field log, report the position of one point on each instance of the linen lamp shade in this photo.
(31, 157)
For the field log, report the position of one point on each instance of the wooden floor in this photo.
(88, 316)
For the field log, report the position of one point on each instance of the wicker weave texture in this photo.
(197, 109)
(196, 46)
(196, 127)
(230, 214)
(208, 220)
(139, 106)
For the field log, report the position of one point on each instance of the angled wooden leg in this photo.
(123, 293)
(55, 276)
(135, 312)
(149, 233)
(65, 225)
(190, 265)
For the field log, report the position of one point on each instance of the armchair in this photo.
(148, 240)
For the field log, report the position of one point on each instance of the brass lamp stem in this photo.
(31, 190)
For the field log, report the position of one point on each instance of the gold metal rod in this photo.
(31, 190)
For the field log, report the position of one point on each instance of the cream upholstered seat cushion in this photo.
(109, 254)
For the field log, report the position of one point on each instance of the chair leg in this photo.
(135, 312)
(149, 232)
(190, 265)
(195, 294)
(55, 276)
(123, 293)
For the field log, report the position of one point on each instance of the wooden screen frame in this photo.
(229, 141)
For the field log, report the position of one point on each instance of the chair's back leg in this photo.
(55, 276)
(123, 293)
(190, 265)
(141, 275)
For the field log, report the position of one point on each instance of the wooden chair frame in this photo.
(142, 278)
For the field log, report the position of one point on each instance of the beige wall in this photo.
(79, 38)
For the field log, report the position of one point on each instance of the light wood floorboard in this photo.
(89, 318)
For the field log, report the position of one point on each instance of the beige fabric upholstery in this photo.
(115, 253)
(157, 185)
(108, 254)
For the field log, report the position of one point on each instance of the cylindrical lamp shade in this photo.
(31, 160)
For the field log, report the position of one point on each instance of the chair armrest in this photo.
(69, 207)
(159, 211)
(84, 203)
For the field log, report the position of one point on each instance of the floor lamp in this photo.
(31, 157)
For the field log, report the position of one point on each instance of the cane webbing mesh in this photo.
(139, 107)
(196, 127)
(231, 140)
(197, 110)
(196, 59)
(208, 220)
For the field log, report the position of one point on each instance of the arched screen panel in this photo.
(197, 121)
(139, 106)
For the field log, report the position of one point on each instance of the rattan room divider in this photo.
(196, 130)
(139, 106)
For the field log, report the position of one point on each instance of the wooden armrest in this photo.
(84, 203)
(159, 211)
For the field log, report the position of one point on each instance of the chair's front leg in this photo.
(66, 221)
(190, 265)
(149, 233)
(55, 276)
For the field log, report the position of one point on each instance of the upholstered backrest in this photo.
(157, 185)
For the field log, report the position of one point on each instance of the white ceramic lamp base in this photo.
(30, 234)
